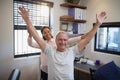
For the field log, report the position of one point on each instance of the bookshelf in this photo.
(70, 5)
(76, 14)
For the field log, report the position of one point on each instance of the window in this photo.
(107, 38)
(39, 15)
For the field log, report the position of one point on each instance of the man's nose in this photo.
(63, 41)
(47, 33)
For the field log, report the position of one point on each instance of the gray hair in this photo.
(61, 32)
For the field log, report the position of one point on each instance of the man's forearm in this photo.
(88, 36)
(32, 31)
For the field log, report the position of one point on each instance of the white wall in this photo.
(112, 9)
(57, 12)
(29, 66)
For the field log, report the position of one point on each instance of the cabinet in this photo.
(79, 75)
(82, 71)
(65, 20)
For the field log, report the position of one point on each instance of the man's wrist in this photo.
(97, 24)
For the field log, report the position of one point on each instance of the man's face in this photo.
(61, 41)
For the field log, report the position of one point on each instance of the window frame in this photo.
(18, 27)
(106, 25)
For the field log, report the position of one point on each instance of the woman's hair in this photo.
(43, 30)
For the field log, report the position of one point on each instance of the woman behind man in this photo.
(47, 36)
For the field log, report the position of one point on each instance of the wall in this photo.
(112, 9)
(57, 12)
(29, 66)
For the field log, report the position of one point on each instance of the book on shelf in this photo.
(77, 13)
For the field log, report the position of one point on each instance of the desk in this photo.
(81, 71)
(84, 67)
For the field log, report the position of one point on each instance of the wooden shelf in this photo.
(73, 20)
(71, 5)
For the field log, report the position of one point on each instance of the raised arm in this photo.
(88, 36)
(74, 40)
(31, 29)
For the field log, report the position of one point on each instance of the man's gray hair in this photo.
(61, 32)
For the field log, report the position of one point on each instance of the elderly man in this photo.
(61, 60)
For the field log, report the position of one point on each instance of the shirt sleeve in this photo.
(73, 41)
(49, 49)
(76, 51)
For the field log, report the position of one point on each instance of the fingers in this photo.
(105, 17)
(101, 17)
(19, 12)
(22, 9)
(103, 14)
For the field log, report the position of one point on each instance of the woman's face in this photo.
(47, 33)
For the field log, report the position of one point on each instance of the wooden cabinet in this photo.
(79, 75)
